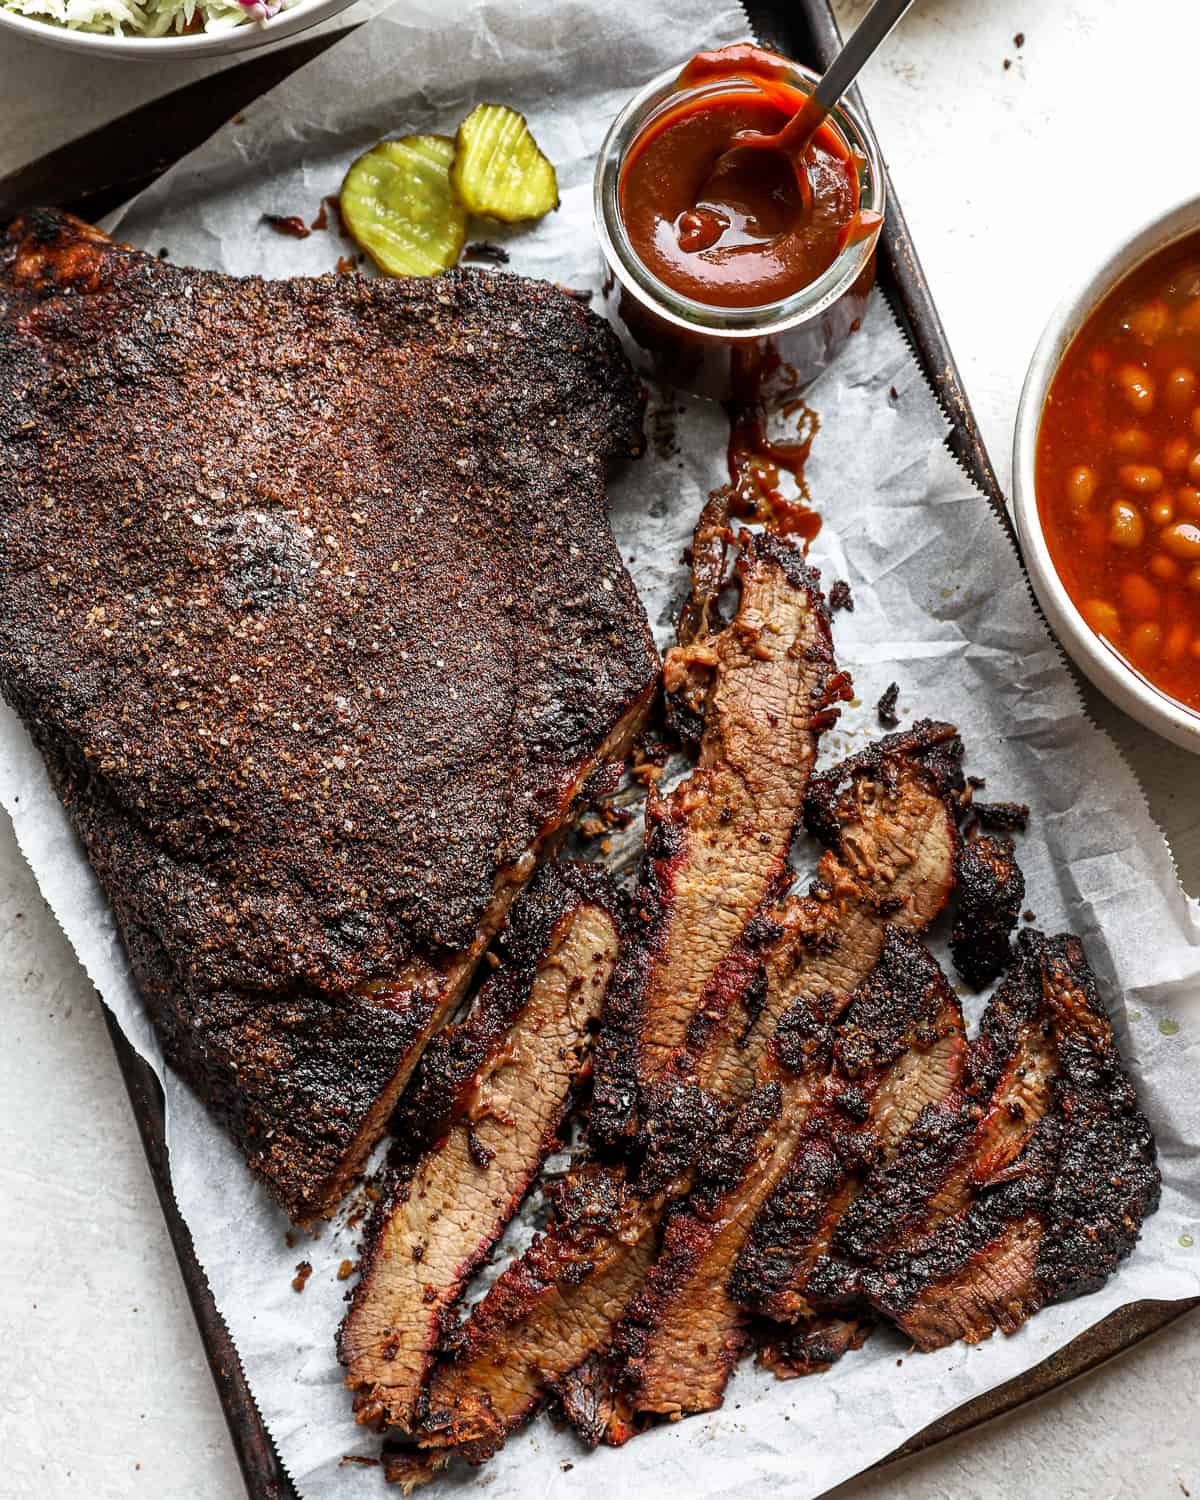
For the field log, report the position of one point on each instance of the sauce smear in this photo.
(759, 457)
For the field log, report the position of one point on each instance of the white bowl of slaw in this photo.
(262, 24)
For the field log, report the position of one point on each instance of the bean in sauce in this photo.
(1118, 470)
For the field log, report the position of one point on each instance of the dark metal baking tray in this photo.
(94, 174)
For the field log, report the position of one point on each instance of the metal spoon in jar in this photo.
(794, 138)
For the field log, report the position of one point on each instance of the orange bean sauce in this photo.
(1118, 470)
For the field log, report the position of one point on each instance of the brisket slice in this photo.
(887, 816)
(897, 1045)
(309, 598)
(482, 1114)
(543, 1316)
(1032, 1190)
(717, 845)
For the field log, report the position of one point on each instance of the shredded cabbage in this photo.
(148, 17)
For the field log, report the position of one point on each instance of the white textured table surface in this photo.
(1007, 176)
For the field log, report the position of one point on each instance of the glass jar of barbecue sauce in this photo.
(755, 297)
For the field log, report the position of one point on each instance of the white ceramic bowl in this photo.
(298, 17)
(1111, 673)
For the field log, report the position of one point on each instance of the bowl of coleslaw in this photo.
(150, 30)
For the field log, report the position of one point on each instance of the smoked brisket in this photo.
(1028, 1187)
(717, 846)
(309, 598)
(483, 1112)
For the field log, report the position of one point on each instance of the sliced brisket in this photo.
(763, 1196)
(717, 845)
(543, 1316)
(483, 1113)
(892, 814)
(309, 598)
(1029, 1188)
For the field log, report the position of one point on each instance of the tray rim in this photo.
(95, 184)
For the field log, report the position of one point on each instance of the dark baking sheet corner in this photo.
(94, 175)
(261, 1468)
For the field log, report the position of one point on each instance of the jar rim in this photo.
(686, 312)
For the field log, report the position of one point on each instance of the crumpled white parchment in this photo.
(941, 605)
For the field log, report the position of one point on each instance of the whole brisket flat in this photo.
(309, 598)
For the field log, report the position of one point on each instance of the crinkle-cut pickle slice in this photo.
(398, 204)
(499, 171)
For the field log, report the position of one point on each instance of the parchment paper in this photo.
(941, 605)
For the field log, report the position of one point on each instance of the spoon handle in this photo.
(871, 31)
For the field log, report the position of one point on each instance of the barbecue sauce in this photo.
(758, 460)
(743, 234)
(740, 230)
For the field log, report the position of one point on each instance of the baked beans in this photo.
(1118, 470)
